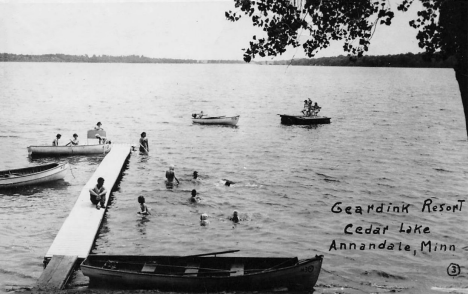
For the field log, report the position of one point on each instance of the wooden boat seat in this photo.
(149, 268)
(237, 269)
(192, 269)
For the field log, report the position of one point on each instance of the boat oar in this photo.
(213, 253)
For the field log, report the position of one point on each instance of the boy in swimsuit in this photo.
(98, 194)
(143, 207)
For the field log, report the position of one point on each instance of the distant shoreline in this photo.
(399, 60)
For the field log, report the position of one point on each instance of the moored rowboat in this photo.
(32, 175)
(218, 120)
(196, 273)
(69, 150)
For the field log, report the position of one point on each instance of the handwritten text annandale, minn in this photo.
(427, 207)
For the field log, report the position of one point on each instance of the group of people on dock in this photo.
(309, 109)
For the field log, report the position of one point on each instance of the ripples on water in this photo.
(397, 136)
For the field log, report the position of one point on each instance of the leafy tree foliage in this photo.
(442, 28)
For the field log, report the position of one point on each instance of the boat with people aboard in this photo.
(303, 120)
(32, 175)
(69, 150)
(102, 148)
(309, 116)
(202, 272)
(215, 120)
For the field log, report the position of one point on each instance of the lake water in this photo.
(396, 136)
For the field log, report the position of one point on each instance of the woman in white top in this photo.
(73, 142)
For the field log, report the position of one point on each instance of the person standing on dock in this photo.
(144, 147)
(73, 142)
(170, 175)
(98, 194)
(56, 141)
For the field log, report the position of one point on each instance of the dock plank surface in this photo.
(77, 234)
(57, 272)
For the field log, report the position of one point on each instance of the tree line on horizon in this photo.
(9, 57)
(398, 60)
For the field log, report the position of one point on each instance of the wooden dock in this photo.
(76, 237)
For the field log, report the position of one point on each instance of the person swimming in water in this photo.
(194, 198)
(234, 217)
(228, 182)
(204, 219)
(144, 208)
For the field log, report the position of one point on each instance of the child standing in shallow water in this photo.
(143, 207)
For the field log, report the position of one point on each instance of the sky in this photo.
(189, 29)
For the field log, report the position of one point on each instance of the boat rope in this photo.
(71, 170)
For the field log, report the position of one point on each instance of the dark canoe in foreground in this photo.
(32, 175)
(303, 120)
(202, 273)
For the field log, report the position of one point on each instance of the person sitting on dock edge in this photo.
(143, 207)
(144, 147)
(98, 194)
(170, 175)
(73, 142)
(56, 140)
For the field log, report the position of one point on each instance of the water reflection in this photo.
(141, 224)
(42, 188)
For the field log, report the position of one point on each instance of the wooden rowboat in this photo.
(197, 273)
(32, 175)
(69, 150)
(303, 120)
(218, 120)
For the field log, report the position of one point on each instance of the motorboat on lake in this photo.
(202, 273)
(32, 175)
